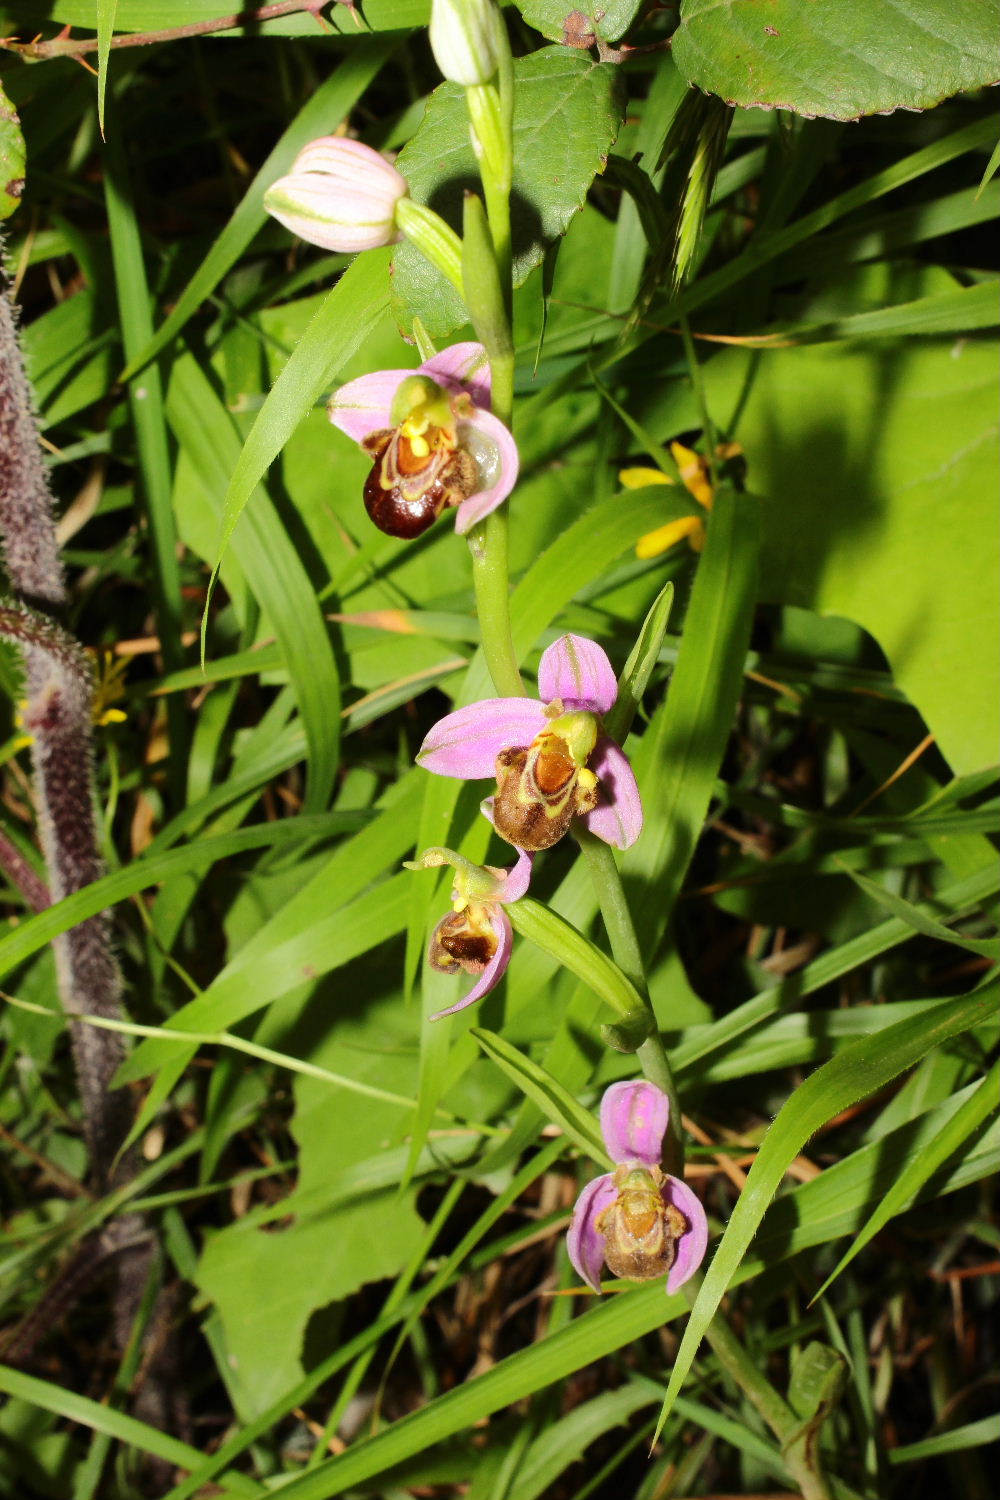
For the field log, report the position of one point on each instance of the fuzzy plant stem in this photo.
(57, 715)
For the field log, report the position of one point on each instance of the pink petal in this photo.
(577, 671)
(467, 742)
(365, 405)
(495, 969)
(617, 818)
(634, 1117)
(691, 1246)
(462, 367)
(583, 1242)
(518, 876)
(495, 452)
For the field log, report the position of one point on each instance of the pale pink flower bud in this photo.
(340, 195)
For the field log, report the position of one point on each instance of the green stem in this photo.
(697, 381)
(488, 549)
(801, 1459)
(625, 947)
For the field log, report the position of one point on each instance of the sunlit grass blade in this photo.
(104, 18)
(680, 754)
(855, 1073)
(334, 334)
(920, 1168)
(271, 564)
(101, 1418)
(921, 922)
(548, 1093)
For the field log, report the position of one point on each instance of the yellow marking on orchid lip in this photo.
(420, 446)
(655, 542)
(638, 478)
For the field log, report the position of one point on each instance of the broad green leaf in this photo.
(550, 17)
(638, 669)
(339, 1248)
(555, 1102)
(566, 116)
(161, 15)
(855, 1073)
(565, 1440)
(12, 157)
(836, 58)
(873, 512)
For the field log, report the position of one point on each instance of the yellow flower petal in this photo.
(694, 472)
(637, 479)
(655, 542)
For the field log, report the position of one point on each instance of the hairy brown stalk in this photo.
(58, 715)
(65, 46)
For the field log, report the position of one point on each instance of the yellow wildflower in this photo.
(109, 686)
(696, 478)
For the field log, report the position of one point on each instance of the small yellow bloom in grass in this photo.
(696, 477)
(109, 687)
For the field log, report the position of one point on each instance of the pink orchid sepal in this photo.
(551, 758)
(435, 442)
(637, 1220)
(340, 195)
(476, 934)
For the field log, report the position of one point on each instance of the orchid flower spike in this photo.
(433, 439)
(551, 759)
(476, 934)
(637, 1220)
(340, 195)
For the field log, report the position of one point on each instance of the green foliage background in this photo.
(815, 890)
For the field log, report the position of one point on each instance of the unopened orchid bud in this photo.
(464, 36)
(340, 195)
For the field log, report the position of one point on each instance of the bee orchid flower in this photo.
(637, 1220)
(476, 934)
(551, 759)
(434, 442)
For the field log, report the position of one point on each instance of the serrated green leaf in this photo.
(12, 157)
(550, 17)
(566, 117)
(837, 59)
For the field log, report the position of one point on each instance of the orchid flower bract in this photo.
(637, 1220)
